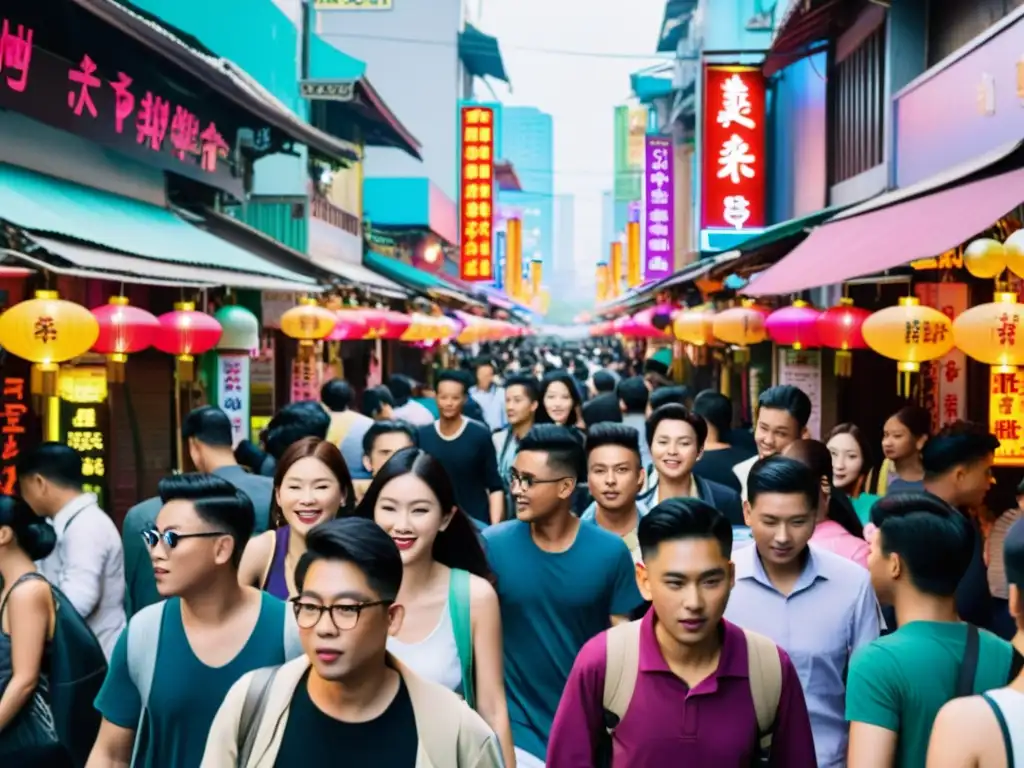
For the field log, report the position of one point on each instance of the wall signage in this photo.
(85, 424)
(328, 90)
(659, 210)
(476, 192)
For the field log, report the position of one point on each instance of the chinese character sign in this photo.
(84, 423)
(944, 381)
(12, 430)
(1006, 415)
(658, 214)
(476, 192)
(734, 166)
(233, 393)
(306, 379)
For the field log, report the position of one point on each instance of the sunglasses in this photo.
(153, 537)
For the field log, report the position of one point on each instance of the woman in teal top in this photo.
(851, 467)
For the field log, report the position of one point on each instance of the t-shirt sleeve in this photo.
(118, 700)
(625, 593)
(872, 688)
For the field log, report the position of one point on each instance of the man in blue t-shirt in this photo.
(177, 659)
(559, 583)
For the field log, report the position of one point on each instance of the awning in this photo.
(805, 23)
(649, 86)
(675, 25)
(400, 272)
(481, 54)
(505, 175)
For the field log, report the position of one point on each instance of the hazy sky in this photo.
(579, 91)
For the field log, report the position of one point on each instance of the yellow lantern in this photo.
(985, 257)
(988, 333)
(47, 331)
(309, 323)
(695, 326)
(1013, 249)
(742, 327)
(910, 334)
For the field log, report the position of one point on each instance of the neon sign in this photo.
(476, 192)
(84, 423)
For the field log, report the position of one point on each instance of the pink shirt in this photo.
(830, 535)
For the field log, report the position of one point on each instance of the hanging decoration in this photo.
(988, 333)
(695, 325)
(186, 333)
(349, 324)
(742, 327)
(839, 328)
(985, 258)
(124, 330)
(240, 330)
(642, 326)
(46, 331)
(308, 323)
(794, 326)
(910, 334)
(385, 324)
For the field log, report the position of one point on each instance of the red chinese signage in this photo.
(476, 192)
(944, 381)
(734, 161)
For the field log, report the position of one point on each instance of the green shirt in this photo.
(900, 681)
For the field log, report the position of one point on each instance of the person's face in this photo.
(688, 581)
(781, 525)
(847, 460)
(411, 515)
(451, 396)
(548, 490)
(614, 477)
(484, 377)
(775, 430)
(336, 653)
(558, 402)
(897, 441)
(972, 482)
(674, 449)
(384, 447)
(519, 408)
(309, 494)
(193, 559)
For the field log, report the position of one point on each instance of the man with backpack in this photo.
(177, 659)
(682, 686)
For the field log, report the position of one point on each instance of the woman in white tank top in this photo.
(984, 731)
(446, 590)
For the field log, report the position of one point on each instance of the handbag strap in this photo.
(253, 708)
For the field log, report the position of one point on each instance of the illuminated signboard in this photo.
(1006, 416)
(476, 192)
(85, 424)
(233, 393)
(658, 214)
(734, 163)
(19, 426)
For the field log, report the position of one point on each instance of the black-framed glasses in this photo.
(344, 616)
(152, 537)
(526, 482)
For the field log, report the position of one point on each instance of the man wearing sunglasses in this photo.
(173, 665)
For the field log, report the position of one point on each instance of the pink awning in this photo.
(856, 245)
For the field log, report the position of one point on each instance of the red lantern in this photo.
(186, 333)
(351, 324)
(839, 328)
(794, 326)
(124, 329)
(385, 324)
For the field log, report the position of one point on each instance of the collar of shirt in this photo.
(590, 514)
(749, 566)
(652, 485)
(458, 432)
(72, 508)
(731, 663)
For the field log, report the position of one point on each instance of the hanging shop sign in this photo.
(659, 209)
(476, 191)
(307, 373)
(233, 393)
(328, 90)
(84, 423)
(1006, 415)
(19, 426)
(802, 369)
(353, 5)
(944, 381)
(734, 161)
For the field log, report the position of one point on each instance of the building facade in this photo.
(528, 143)
(564, 272)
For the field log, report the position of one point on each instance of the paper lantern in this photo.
(695, 326)
(385, 324)
(124, 330)
(741, 327)
(308, 323)
(47, 330)
(839, 328)
(794, 326)
(240, 330)
(985, 257)
(909, 334)
(186, 333)
(1013, 250)
(349, 324)
(645, 324)
(991, 333)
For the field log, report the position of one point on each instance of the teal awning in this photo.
(648, 87)
(403, 273)
(785, 230)
(481, 54)
(675, 25)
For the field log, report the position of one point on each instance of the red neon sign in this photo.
(734, 162)
(476, 192)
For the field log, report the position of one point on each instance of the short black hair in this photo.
(401, 388)
(958, 444)
(599, 435)
(602, 409)
(457, 376)
(916, 419)
(1013, 555)
(676, 412)
(933, 539)
(655, 366)
(781, 474)
(482, 362)
(208, 425)
(563, 445)
(604, 381)
(667, 395)
(56, 462)
(683, 518)
(379, 428)
(528, 383)
(336, 394)
(358, 541)
(375, 399)
(716, 409)
(217, 502)
(633, 393)
(786, 397)
(305, 418)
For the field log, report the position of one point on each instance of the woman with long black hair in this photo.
(451, 632)
(560, 400)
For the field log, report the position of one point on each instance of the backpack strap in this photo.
(143, 638)
(765, 672)
(253, 709)
(622, 665)
(1003, 727)
(462, 627)
(292, 642)
(969, 664)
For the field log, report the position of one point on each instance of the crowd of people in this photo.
(554, 557)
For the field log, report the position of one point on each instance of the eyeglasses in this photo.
(153, 537)
(526, 482)
(343, 616)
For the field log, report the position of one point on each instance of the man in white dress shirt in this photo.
(88, 563)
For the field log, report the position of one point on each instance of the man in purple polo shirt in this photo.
(693, 698)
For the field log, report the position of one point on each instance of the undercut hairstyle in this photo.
(217, 502)
(360, 542)
(55, 462)
(934, 540)
(674, 412)
(563, 446)
(336, 394)
(529, 384)
(716, 409)
(457, 376)
(786, 397)
(602, 409)
(380, 428)
(400, 388)
(633, 393)
(678, 395)
(375, 399)
(683, 518)
(295, 421)
(600, 435)
(781, 474)
(208, 425)
(604, 381)
(962, 443)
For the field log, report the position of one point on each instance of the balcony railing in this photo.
(322, 208)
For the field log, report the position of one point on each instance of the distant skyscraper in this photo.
(563, 270)
(527, 140)
(608, 231)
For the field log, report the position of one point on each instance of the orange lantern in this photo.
(985, 257)
(988, 333)
(742, 327)
(308, 323)
(910, 334)
(695, 326)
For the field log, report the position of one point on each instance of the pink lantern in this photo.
(186, 333)
(641, 326)
(385, 324)
(351, 324)
(794, 326)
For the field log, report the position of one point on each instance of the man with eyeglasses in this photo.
(559, 583)
(347, 699)
(177, 659)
